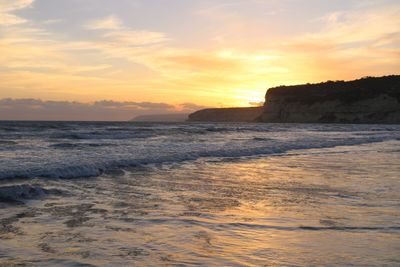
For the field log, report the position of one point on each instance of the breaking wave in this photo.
(88, 163)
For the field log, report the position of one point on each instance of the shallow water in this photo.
(199, 194)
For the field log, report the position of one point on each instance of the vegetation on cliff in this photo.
(346, 92)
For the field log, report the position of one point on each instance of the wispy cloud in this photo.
(111, 22)
(12, 5)
(233, 55)
(350, 44)
(135, 38)
(52, 21)
(7, 7)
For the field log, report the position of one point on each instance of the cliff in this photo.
(367, 100)
(227, 114)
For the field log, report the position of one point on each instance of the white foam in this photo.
(175, 143)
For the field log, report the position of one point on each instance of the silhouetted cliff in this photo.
(367, 100)
(227, 114)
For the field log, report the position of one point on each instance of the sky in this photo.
(62, 59)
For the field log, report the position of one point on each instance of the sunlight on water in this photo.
(329, 206)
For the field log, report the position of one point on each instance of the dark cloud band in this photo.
(105, 110)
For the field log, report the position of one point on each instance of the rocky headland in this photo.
(367, 100)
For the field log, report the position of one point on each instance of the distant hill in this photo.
(173, 117)
(227, 114)
(366, 100)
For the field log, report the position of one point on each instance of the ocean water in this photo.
(152, 194)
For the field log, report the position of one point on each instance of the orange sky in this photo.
(211, 53)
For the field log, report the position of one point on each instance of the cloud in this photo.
(350, 44)
(9, 6)
(135, 38)
(105, 110)
(52, 21)
(107, 59)
(9, 19)
(111, 22)
(190, 107)
(118, 34)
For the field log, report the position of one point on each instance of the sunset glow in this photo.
(209, 53)
(199, 133)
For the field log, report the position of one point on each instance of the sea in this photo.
(199, 194)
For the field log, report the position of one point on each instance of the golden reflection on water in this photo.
(321, 207)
